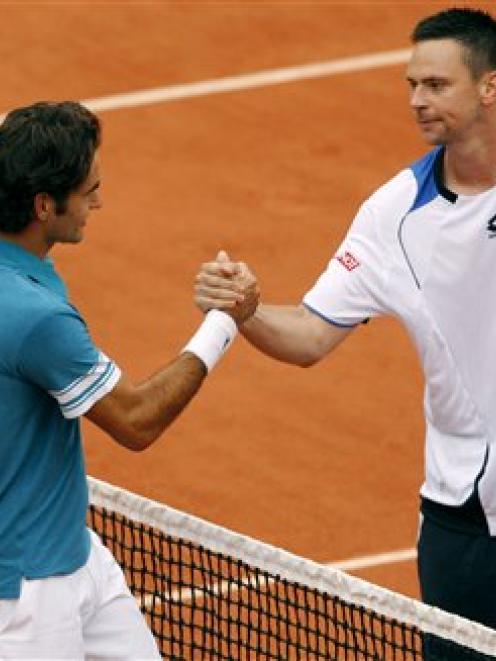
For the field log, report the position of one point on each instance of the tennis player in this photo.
(422, 249)
(62, 595)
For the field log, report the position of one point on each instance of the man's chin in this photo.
(431, 135)
(433, 139)
(74, 238)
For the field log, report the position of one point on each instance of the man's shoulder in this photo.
(395, 194)
(20, 289)
(425, 164)
(399, 192)
(24, 303)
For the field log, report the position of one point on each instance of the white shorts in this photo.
(89, 614)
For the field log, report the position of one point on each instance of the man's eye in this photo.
(436, 85)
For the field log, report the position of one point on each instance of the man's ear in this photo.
(488, 88)
(44, 206)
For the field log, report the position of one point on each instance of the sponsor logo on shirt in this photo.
(491, 227)
(350, 262)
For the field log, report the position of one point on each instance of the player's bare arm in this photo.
(136, 415)
(292, 334)
(289, 333)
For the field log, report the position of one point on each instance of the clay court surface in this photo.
(325, 462)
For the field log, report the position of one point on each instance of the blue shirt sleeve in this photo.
(59, 356)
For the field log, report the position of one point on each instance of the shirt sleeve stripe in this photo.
(81, 394)
(82, 383)
(331, 321)
(95, 396)
(94, 387)
(79, 383)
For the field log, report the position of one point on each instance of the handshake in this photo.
(228, 286)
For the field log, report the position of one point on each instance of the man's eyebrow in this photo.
(427, 79)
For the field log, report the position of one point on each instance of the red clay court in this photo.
(326, 462)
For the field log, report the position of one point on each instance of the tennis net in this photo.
(209, 593)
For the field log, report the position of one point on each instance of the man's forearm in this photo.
(164, 395)
(135, 416)
(274, 330)
(291, 334)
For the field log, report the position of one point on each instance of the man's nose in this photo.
(417, 97)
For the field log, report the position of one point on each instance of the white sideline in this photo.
(246, 81)
(249, 81)
(187, 595)
(362, 562)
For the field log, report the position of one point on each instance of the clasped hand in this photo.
(228, 286)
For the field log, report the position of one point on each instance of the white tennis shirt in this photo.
(428, 257)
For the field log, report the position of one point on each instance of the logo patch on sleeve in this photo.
(348, 260)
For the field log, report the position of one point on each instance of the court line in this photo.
(248, 81)
(365, 561)
(186, 595)
(245, 81)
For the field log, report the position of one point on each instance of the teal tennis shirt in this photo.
(50, 374)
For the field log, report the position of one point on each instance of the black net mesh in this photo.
(203, 605)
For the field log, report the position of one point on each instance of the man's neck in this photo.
(470, 167)
(28, 240)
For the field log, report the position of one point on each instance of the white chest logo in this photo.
(491, 227)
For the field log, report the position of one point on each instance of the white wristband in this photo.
(213, 338)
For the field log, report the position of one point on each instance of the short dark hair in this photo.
(473, 28)
(48, 148)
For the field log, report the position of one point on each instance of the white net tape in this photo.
(279, 562)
